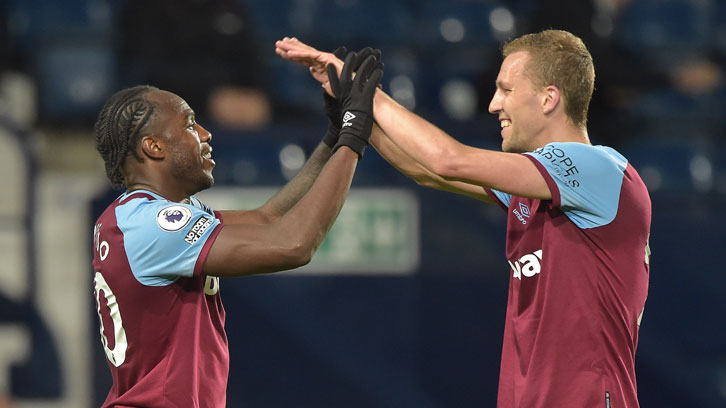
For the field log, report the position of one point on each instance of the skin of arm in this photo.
(416, 171)
(266, 240)
(453, 161)
(443, 162)
(288, 196)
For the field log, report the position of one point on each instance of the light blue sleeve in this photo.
(588, 178)
(163, 239)
(504, 198)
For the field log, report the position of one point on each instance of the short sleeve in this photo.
(165, 240)
(501, 198)
(587, 180)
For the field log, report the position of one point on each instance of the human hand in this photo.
(292, 49)
(333, 111)
(356, 96)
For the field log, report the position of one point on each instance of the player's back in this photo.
(162, 321)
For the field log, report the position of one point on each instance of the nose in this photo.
(495, 106)
(204, 134)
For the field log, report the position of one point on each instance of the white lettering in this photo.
(117, 356)
(103, 250)
(211, 285)
(527, 265)
(101, 246)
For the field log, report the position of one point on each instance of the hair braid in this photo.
(118, 128)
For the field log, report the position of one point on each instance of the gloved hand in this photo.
(356, 96)
(333, 111)
(360, 57)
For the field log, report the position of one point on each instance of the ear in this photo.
(152, 147)
(550, 99)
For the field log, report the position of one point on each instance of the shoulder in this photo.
(572, 162)
(570, 153)
(146, 209)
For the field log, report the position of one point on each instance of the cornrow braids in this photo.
(118, 128)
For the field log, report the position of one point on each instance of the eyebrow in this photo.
(500, 84)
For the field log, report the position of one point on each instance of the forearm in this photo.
(296, 188)
(310, 219)
(290, 240)
(420, 174)
(422, 141)
(398, 158)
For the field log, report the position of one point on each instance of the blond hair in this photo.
(561, 59)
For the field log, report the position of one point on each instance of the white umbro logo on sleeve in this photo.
(347, 118)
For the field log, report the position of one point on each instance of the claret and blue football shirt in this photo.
(578, 281)
(162, 320)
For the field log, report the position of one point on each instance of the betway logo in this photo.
(347, 118)
(528, 265)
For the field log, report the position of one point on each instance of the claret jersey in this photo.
(578, 282)
(161, 319)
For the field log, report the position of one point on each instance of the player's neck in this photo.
(177, 198)
(568, 133)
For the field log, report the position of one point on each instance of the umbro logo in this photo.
(347, 118)
(524, 209)
(522, 213)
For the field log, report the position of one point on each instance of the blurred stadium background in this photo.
(403, 306)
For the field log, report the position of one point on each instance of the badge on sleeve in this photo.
(173, 218)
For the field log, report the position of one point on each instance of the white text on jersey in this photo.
(528, 265)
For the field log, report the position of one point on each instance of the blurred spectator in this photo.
(17, 89)
(202, 49)
(5, 402)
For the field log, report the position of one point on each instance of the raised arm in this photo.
(294, 50)
(416, 171)
(295, 221)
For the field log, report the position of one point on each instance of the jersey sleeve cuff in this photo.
(556, 199)
(496, 199)
(205, 249)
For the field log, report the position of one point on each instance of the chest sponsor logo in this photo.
(198, 229)
(173, 218)
(527, 265)
(522, 213)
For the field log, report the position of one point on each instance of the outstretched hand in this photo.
(292, 49)
(355, 93)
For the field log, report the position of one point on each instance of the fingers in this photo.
(373, 80)
(340, 52)
(366, 68)
(334, 81)
(349, 66)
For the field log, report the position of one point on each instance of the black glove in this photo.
(333, 111)
(360, 56)
(356, 96)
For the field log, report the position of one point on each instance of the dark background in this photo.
(432, 338)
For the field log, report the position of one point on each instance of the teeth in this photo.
(506, 123)
(208, 155)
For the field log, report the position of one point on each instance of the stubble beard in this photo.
(190, 171)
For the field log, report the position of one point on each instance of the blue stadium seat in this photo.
(668, 30)
(74, 78)
(674, 166)
(718, 34)
(443, 23)
(358, 23)
(36, 21)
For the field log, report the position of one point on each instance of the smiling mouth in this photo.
(208, 154)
